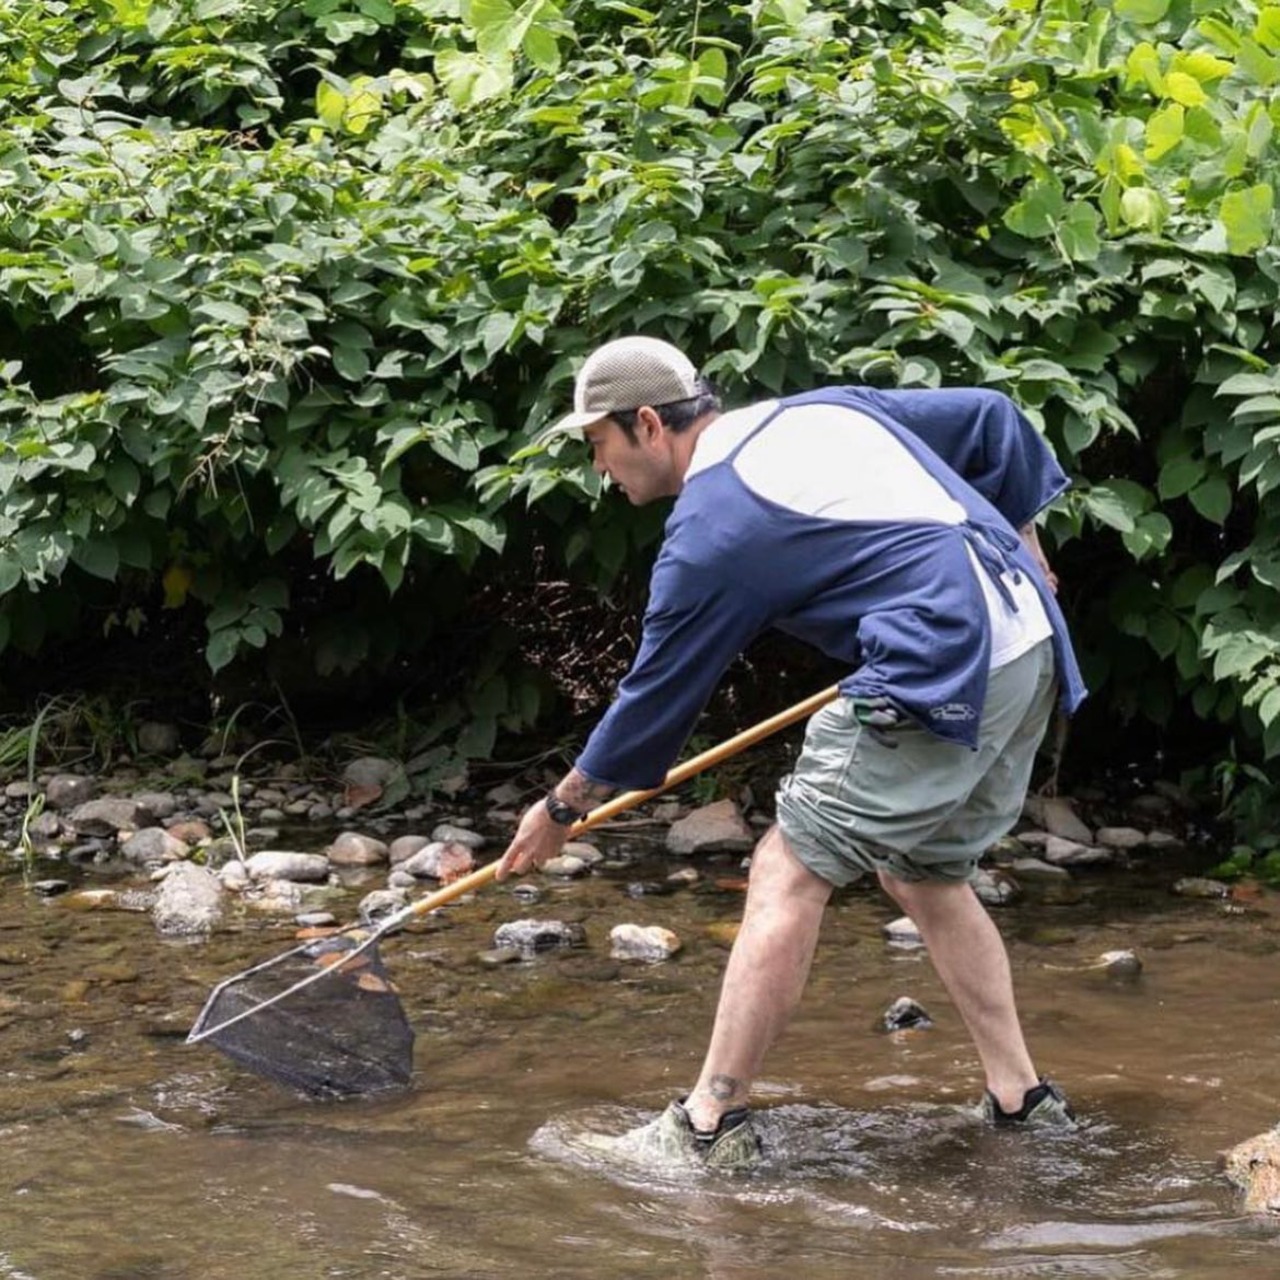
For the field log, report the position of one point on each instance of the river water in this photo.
(127, 1155)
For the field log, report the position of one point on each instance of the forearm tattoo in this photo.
(579, 791)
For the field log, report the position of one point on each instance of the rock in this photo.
(1038, 869)
(714, 828)
(190, 831)
(234, 876)
(902, 932)
(112, 900)
(381, 903)
(1058, 818)
(996, 888)
(650, 943)
(451, 833)
(279, 864)
(50, 888)
(504, 794)
(499, 956)
(723, 933)
(1164, 842)
(47, 826)
(107, 816)
(153, 844)
(160, 804)
(1201, 887)
(1060, 852)
(282, 896)
(1254, 1167)
(904, 1014)
(351, 849)
(1005, 850)
(529, 937)
(403, 848)
(440, 861)
(315, 919)
(67, 790)
(370, 772)
(683, 877)
(1122, 838)
(189, 902)
(21, 790)
(584, 852)
(526, 893)
(565, 867)
(156, 738)
(1123, 965)
(318, 812)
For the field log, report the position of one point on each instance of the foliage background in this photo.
(286, 291)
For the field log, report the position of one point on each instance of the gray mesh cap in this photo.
(625, 374)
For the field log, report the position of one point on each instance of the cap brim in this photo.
(572, 424)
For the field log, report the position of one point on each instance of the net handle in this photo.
(629, 799)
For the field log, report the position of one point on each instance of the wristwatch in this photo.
(564, 815)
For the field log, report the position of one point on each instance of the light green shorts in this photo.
(923, 809)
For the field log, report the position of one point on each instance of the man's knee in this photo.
(777, 871)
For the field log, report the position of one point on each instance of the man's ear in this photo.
(648, 424)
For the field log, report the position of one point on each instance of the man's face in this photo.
(642, 468)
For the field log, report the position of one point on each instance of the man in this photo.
(880, 527)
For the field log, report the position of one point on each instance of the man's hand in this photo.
(537, 840)
(1031, 540)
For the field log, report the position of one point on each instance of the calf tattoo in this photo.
(723, 1088)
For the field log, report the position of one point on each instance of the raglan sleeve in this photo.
(696, 623)
(981, 435)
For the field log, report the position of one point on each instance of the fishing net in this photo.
(323, 1018)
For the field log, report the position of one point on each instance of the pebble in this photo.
(650, 943)
(1200, 887)
(902, 932)
(905, 1014)
(50, 888)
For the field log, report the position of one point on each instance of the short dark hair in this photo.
(677, 416)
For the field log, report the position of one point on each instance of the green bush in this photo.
(293, 286)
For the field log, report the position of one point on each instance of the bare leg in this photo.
(764, 978)
(969, 955)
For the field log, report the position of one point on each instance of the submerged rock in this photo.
(1254, 1167)
(1200, 887)
(902, 932)
(905, 1014)
(529, 937)
(107, 816)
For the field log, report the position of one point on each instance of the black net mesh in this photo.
(343, 1034)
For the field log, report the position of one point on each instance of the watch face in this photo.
(561, 812)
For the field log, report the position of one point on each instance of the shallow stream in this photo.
(127, 1155)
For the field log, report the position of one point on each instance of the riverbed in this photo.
(126, 1154)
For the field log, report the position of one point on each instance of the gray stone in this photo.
(400, 879)
(714, 828)
(526, 893)
(21, 790)
(47, 826)
(905, 1014)
(109, 815)
(1163, 842)
(381, 903)
(318, 812)
(280, 864)
(529, 937)
(1061, 852)
(66, 790)
(565, 867)
(156, 738)
(1056, 815)
(996, 888)
(315, 919)
(1123, 838)
(1038, 869)
(50, 888)
(438, 861)
(902, 932)
(189, 902)
(1122, 965)
(650, 943)
(162, 804)
(584, 852)
(235, 876)
(370, 771)
(153, 844)
(404, 847)
(452, 833)
(351, 849)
